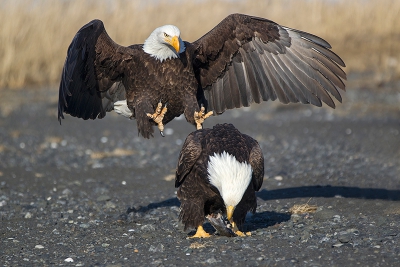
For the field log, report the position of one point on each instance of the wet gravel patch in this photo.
(94, 193)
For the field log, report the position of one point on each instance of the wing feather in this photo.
(253, 59)
(256, 160)
(92, 73)
(188, 156)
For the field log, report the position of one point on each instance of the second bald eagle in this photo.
(218, 170)
(242, 60)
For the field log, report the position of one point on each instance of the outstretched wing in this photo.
(188, 156)
(247, 59)
(90, 80)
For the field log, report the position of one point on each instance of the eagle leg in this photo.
(158, 116)
(200, 116)
(238, 232)
(200, 233)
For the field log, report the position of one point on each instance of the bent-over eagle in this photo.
(218, 170)
(242, 60)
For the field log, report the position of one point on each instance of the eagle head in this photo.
(164, 43)
(230, 177)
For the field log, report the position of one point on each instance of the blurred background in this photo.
(35, 34)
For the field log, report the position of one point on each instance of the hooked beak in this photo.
(174, 42)
(229, 212)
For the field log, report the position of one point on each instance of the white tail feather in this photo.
(121, 108)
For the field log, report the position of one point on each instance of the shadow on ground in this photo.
(329, 192)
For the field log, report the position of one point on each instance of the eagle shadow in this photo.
(267, 219)
(329, 191)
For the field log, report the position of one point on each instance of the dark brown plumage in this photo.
(243, 60)
(198, 196)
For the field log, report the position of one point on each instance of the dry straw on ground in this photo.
(303, 208)
(35, 34)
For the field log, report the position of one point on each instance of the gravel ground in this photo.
(93, 193)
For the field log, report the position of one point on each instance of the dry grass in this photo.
(35, 34)
(303, 208)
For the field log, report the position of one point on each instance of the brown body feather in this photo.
(198, 197)
(243, 60)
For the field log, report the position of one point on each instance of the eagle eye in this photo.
(166, 35)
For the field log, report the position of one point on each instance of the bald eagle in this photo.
(218, 170)
(242, 60)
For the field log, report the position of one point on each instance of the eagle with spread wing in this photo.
(242, 60)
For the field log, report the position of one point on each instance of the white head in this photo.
(230, 177)
(164, 43)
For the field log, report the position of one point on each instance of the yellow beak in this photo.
(174, 42)
(229, 212)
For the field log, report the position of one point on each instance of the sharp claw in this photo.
(162, 134)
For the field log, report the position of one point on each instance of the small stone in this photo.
(66, 191)
(103, 198)
(344, 238)
(337, 245)
(211, 260)
(69, 260)
(39, 247)
(129, 245)
(260, 258)
(306, 235)
(110, 205)
(84, 225)
(105, 245)
(148, 227)
(28, 215)
(158, 248)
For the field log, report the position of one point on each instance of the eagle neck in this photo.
(229, 176)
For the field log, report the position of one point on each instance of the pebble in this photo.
(69, 260)
(66, 191)
(84, 225)
(158, 248)
(344, 238)
(103, 198)
(28, 215)
(39, 247)
(148, 227)
(211, 260)
(129, 245)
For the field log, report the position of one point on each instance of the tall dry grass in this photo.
(35, 34)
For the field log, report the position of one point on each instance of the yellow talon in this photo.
(199, 117)
(200, 233)
(240, 233)
(158, 116)
(237, 231)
